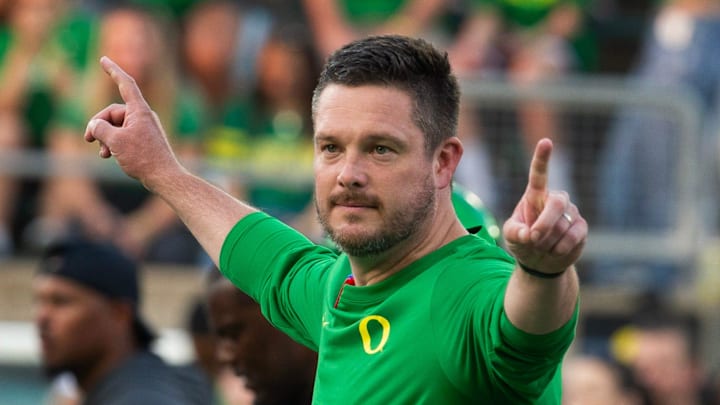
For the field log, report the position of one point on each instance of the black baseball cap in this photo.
(102, 267)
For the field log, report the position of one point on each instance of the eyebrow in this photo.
(371, 138)
(323, 137)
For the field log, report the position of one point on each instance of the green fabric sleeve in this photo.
(531, 364)
(282, 270)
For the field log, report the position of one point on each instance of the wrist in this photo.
(538, 273)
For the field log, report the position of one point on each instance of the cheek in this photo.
(87, 329)
(74, 333)
(324, 182)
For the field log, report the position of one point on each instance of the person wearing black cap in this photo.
(87, 300)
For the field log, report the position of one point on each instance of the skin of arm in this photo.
(413, 17)
(328, 25)
(468, 52)
(132, 133)
(546, 233)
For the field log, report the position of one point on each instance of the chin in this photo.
(51, 371)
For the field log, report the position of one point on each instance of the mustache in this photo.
(354, 199)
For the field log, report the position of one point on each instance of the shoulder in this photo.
(476, 269)
(143, 379)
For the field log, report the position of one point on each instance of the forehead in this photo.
(225, 300)
(45, 284)
(340, 105)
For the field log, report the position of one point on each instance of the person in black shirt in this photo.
(87, 316)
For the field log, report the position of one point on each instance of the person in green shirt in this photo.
(527, 43)
(142, 224)
(415, 309)
(43, 45)
(336, 22)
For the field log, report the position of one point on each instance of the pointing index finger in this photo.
(538, 177)
(129, 90)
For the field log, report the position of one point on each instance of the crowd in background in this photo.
(232, 81)
(229, 83)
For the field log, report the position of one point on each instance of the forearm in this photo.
(413, 18)
(207, 211)
(477, 34)
(539, 305)
(14, 78)
(329, 27)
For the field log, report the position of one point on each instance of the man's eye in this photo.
(381, 150)
(230, 332)
(60, 300)
(330, 148)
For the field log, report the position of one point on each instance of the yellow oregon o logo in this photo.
(365, 334)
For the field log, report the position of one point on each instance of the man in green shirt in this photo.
(415, 310)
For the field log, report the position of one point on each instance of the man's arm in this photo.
(546, 234)
(132, 133)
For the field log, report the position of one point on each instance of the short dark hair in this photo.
(409, 64)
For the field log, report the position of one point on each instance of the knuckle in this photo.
(129, 80)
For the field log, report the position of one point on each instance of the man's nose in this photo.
(353, 173)
(225, 351)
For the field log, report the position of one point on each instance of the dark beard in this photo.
(398, 227)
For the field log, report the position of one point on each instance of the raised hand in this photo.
(546, 231)
(131, 132)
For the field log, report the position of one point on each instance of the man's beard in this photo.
(399, 226)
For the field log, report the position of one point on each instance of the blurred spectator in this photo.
(589, 380)
(281, 127)
(43, 47)
(87, 299)
(530, 43)
(216, 385)
(220, 44)
(143, 225)
(639, 161)
(336, 22)
(260, 118)
(278, 370)
(661, 351)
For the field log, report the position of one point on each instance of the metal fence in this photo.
(593, 119)
(587, 110)
(664, 238)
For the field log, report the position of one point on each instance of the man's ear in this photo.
(447, 158)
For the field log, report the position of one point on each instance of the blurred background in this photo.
(629, 91)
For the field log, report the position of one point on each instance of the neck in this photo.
(89, 377)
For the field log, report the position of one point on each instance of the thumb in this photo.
(102, 131)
